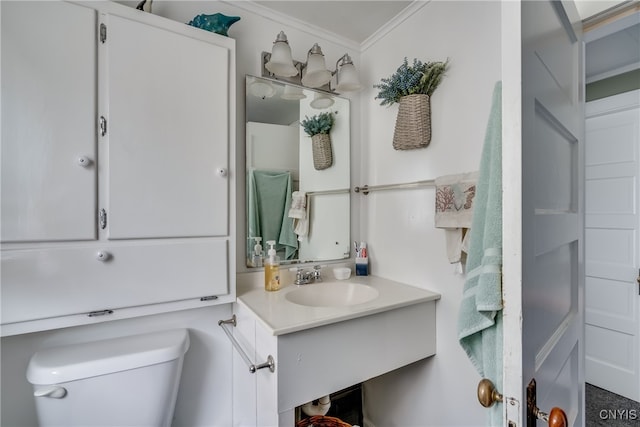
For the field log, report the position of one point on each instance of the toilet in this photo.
(127, 381)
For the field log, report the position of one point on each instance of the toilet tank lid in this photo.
(86, 360)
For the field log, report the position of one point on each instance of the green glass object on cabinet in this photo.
(217, 23)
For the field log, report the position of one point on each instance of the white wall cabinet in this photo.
(118, 144)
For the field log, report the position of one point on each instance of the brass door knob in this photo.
(557, 418)
(487, 393)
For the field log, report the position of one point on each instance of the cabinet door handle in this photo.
(84, 161)
(103, 256)
(222, 172)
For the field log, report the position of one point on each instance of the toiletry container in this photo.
(362, 260)
(257, 253)
(129, 381)
(271, 269)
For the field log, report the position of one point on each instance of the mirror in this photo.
(297, 189)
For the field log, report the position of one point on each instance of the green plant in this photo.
(320, 123)
(418, 78)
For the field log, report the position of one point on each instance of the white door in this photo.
(168, 133)
(543, 266)
(611, 244)
(48, 162)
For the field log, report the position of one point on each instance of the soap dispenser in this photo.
(256, 259)
(271, 269)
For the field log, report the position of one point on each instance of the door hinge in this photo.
(103, 126)
(102, 219)
(103, 32)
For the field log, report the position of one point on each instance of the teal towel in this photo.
(480, 316)
(268, 202)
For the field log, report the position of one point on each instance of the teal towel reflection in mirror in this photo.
(216, 23)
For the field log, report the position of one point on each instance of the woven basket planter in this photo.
(413, 123)
(322, 421)
(321, 149)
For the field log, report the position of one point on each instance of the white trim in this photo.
(511, 67)
(298, 24)
(407, 12)
(612, 73)
(610, 104)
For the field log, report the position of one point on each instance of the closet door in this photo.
(168, 133)
(48, 122)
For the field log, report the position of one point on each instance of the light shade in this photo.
(262, 89)
(321, 100)
(347, 78)
(281, 62)
(292, 93)
(315, 73)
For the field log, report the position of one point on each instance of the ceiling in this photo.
(355, 20)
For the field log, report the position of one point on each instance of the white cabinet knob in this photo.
(84, 161)
(222, 172)
(103, 256)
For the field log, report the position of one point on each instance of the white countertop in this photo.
(280, 316)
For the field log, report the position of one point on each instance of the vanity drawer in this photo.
(48, 282)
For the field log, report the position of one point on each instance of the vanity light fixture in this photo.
(346, 75)
(314, 74)
(280, 61)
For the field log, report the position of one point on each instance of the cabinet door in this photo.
(38, 283)
(48, 159)
(168, 133)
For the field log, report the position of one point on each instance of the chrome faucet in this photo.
(304, 277)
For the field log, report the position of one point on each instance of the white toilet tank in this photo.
(128, 381)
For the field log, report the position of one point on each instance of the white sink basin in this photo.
(332, 294)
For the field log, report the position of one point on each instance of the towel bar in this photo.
(323, 192)
(270, 363)
(365, 189)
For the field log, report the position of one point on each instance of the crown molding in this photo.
(300, 25)
(412, 8)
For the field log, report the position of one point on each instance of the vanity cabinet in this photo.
(319, 350)
(118, 149)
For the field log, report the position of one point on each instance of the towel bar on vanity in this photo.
(365, 189)
(270, 363)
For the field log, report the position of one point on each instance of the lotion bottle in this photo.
(257, 253)
(271, 269)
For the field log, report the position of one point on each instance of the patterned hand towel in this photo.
(454, 211)
(299, 213)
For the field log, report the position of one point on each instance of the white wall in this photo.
(399, 224)
(204, 397)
